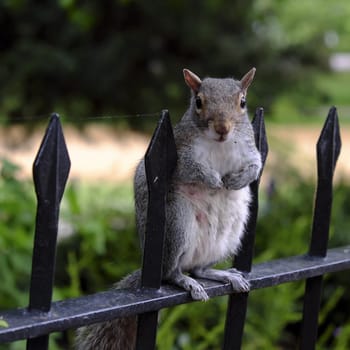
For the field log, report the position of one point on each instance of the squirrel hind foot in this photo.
(199, 293)
(239, 283)
(191, 285)
(234, 277)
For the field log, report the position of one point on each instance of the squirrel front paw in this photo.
(236, 181)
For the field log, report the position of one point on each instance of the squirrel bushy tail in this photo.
(118, 334)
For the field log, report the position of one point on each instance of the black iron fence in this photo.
(51, 169)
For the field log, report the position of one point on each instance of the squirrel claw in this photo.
(236, 181)
(197, 291)
(191, 285)
(239, 283)
(199, 294)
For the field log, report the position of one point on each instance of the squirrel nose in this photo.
(221, 129)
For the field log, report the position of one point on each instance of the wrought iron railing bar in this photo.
(237, 304)
(312, 301)
(50, 173)
(147, 330)
(160, 161)
(103, 306)
(328, 150)
(243, 261)
(235, 320)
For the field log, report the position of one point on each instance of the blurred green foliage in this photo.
(88, 58)
(17, 217)
(98, 246)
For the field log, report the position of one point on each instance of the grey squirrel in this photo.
(207, 204)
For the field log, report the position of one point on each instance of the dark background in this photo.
(87, 58)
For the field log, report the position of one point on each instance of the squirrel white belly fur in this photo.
(207, 204)
(213, 233)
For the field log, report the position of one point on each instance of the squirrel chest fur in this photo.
(215, 217)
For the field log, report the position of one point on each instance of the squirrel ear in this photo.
(247, 79)
(192, 80)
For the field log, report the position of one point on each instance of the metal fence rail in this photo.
(107, 305)
(51, 169)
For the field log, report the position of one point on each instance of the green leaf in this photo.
(3, 323)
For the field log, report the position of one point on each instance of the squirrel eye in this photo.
(198, 102)
(243, 102)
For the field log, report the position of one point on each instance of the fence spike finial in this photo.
(258, 124)
(329, 145)
(50, 172)
(237, 306)
(52, 164)
(160, 162)
(328, 150)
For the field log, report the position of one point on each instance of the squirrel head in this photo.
(218, 105)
